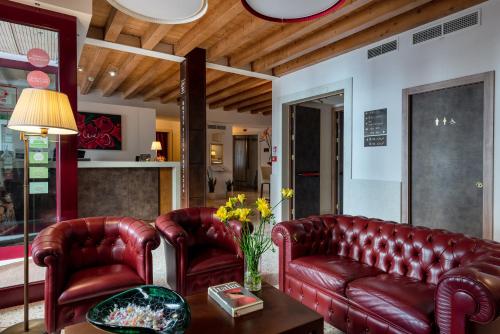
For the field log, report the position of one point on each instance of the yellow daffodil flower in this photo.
(222, 214)
(263, 207)
(287, 193)
(241, 198)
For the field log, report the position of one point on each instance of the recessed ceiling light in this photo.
(112, 73)
(80, 69)
(91, 79)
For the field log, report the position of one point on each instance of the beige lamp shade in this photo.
(156, 146)
(43, 111)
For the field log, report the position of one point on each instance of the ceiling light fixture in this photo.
(112, 73)
(288, 11)
(80, 69)
(91, 79)
(163, 11)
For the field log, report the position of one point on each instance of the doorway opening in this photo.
(245, 163)
(316, 155)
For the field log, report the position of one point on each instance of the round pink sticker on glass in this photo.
(38, 57)
(38, 79)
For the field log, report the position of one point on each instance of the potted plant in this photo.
(254, 242)
(212, 181)
(229, 188)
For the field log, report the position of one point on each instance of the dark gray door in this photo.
(446, 167)
(307, 161)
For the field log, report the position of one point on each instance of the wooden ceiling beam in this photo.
(333, 32)
(96, 61)
(149, 40)
(137, 85)
(167, 85)
(114, 25)
(226, 80)
(223, 13)
(265, 88)
(249, 101)
(153, 36)
(244, 34)
(291, 32)
(404, 22)
(235, 89)
(268, 112)
(266, 103)
(171, 96)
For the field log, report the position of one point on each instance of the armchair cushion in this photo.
(207, 259)
(99, 281)
(404, 301)
(330, 272)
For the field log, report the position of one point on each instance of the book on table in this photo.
(235, 299)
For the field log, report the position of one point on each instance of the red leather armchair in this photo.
(372, 276)
(200, 250)
(90, 259)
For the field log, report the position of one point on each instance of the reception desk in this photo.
(142, 190)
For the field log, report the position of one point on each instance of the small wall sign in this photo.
(38, 57)
(39, 188)
(38, 79)
(375, 122)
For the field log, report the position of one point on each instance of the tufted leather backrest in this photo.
(202, 227)
(96, 241)
(417, 252)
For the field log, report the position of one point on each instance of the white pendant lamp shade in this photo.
(163, 11)
(291, 10)
(40, 111)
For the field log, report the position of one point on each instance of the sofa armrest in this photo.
(299, 238)
(171, 231)
(48, 243)
(471, 292)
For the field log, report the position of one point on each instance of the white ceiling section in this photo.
(18, 39)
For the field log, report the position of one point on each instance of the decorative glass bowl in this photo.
(154, 299)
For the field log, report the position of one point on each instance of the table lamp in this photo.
(38, 112)
(156, 146)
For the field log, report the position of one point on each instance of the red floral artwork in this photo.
(99, 131)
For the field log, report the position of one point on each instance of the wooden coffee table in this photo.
(281, 314)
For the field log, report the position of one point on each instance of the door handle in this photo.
(479, 185)
(308, 174)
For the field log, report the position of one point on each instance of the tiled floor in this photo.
(269, 267)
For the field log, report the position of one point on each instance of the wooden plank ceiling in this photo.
(234, 37)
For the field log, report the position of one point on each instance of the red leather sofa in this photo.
(89, 260)
(367, 275)
(200, 250)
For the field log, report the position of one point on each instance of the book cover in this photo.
(235, 299)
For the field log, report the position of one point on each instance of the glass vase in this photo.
(253, 276)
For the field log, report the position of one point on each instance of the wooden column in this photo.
(193, 129)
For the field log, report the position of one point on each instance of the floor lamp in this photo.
(38, 112)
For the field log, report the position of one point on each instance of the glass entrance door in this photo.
(29, 57)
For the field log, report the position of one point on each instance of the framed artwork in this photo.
(8, 97)
(99, 131)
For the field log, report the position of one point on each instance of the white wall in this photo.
(138, 130)
(372, 186)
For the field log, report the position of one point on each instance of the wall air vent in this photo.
(463, 22)
(216, 127)
(428, 34)
(383, 49)
(448, 27)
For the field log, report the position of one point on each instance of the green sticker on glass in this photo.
(39, 142)
(39, 172)
(39, 158)
(39, 188)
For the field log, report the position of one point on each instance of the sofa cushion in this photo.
(402, 301)
(330, 272)
(99, 281)
(206, 259)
